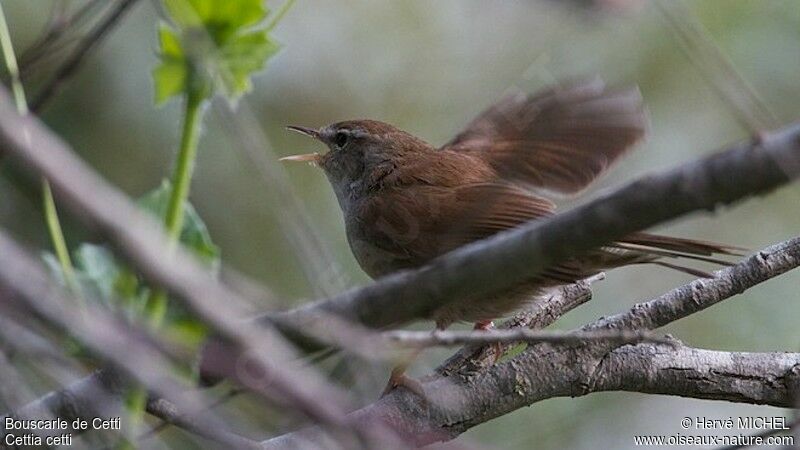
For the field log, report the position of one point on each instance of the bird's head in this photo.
(360, 153)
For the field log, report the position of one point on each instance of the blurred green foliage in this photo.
(102, 277)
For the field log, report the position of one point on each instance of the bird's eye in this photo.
(340, 139)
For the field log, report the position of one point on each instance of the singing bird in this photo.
(406, 202)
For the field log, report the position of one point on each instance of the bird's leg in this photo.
(399, 377)
(497, 348)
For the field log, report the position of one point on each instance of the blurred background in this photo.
(428, 67)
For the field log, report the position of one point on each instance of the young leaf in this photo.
(194, 235)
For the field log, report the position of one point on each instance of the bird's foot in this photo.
(497, 347)
(401, 379)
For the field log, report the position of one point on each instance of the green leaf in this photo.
(221, 18)
(101, 277)
(169, 43)
(97, 269)
(242, 56)
(242, 13)
(214, 48)
(189, 13)
(170, 80)
(187, 331)
(194, 235)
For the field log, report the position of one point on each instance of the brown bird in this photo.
(406, 202)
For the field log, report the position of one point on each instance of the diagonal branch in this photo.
(703, 293)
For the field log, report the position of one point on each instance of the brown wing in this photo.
(560, 139)
(409, 226)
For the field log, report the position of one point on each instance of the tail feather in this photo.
(651, 248)
(684, 269)
(682, 245)
(657, 252)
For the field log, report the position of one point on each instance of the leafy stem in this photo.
(182, 174)
(50, 213)
(57, 239)
(181, 181)
(156, 308)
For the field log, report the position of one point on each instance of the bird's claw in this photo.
(497, 347)
(413, 385)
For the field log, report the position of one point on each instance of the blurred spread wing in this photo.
(560, 139)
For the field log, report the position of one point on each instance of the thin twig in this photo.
(742, 99)
(54, 31)
(77, 57)
(439, 338)
(170, 415)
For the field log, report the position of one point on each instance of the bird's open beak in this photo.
(308, 157)
(304, 130)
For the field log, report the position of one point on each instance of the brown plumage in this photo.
(406, 202)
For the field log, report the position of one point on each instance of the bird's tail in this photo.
(644, 248)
